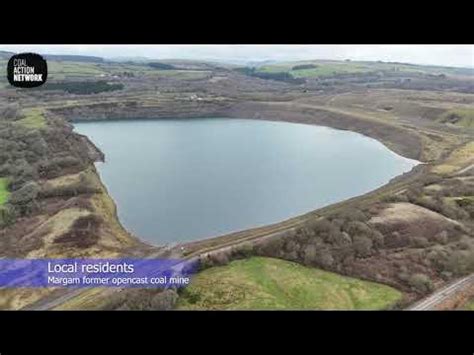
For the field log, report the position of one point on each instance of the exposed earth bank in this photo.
(401, 140)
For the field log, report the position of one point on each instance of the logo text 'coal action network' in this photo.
(27, 70)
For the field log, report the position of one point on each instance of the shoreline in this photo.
(400, 140)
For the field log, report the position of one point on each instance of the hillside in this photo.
(264, 283)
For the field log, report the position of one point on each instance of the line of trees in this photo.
(83, 87)
(161, 66)
(304, 66)
(278, 76)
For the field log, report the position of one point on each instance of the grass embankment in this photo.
(33, 118)
(458, 159)
(463, 117)
(266, 283)
(3, 191)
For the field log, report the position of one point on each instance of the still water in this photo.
(185, 179)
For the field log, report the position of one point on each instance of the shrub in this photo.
(319, 225)
(420, 283)
(378, 239)
(7, 215)
(356, 227)
(314, 255)
(420, 242)
(341, 238)
(25, 194)
(460, 262)
(142, 299)
(64, 162)
(362, 245)
(310, 254)
(324, 258)
(9, 112)
(438, 256)
(220, 258)
(244, 251)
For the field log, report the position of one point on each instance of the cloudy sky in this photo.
(449, 55)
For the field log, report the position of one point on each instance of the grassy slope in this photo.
(33, 118)
(460, 157)
(463, 116)
(266, 283)
(3, 191)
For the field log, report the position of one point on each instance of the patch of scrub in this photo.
(3, 191)
(267, 283)
(470, 305)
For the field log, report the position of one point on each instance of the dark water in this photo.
(186, 179)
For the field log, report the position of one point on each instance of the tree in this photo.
(362, 245)
(23, 200)
(9, 112)
(420, 283)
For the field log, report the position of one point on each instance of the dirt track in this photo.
(443, 295)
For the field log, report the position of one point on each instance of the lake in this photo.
(177, 180)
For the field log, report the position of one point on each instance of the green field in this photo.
(322, 69)
(179, 74)
(267, 283)
(58, 70)
(331, 68)
(3, 191)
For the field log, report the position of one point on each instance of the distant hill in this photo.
(74, 58)
(58, 57)
(125, 59)
(5, 54)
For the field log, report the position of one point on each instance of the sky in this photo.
(446, 55)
